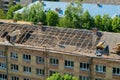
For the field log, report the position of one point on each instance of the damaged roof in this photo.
(61, 39)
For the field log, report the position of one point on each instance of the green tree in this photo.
(73, 13)
(52, 18)
(57, 76)
(98, 22)
(11, 11)
(106, 23)
(2, 14)
(64, 22)
(34, 14)
(87, 20)
(116, 24)
(17, 16)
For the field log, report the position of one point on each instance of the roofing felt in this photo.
(93, 9)
(78, 41)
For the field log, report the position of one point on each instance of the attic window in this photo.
(57, 9)
(99, 5)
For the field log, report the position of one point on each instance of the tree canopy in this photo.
(11, 10)
(52, 18)
(57, 76)
(2, 14)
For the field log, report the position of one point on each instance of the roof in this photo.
(97, 1)
(66, 40)
(93, 9)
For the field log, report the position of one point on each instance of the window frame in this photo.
(84, 66)
(3, 77)
(54, 61)
(40, 72)
(3, 65)
(68, 64)
(117, 71)
(84, 77)
(2, 54)
(14, 78)
(27, 57)
(14, 55)
(27, 69)
(100, 68)
(14, 67)
(40, 59)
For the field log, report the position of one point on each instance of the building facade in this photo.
(27, 61)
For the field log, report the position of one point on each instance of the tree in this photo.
(2, 14)
(116, 24)
(52, 18)
(106, 23)
(17, 16)
(11, 10)
(57, 76)
(73, 13)
(98, 22)
(87, 20)
(34, 14)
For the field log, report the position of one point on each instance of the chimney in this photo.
(94, 30)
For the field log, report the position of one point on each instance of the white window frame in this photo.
(85, 66)
(14, 67)
(117, 71)
(14, 78)
(2, 54)
(26, 69)
(14, 55)
(84, 78)
(54, 61)
(2, 65)
(3, 77)
(100, 68)
(26, 57)
(39, 59)
(40, 72)
(68, 64)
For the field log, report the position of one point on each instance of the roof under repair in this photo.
(78, 41)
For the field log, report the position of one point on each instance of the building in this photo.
(93, 9)
(31, 52)
(97, 1)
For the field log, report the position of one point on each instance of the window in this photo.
(17, 0)
(98, 79)
(26, 57)
(84, 66)
(27, 79)
(2, 65)
(34, 0)
(100, 68)
(40, 71)
(27, 69)
(14, 67)
(116, 71)
(84, 78)
(14, 78)
(39, 59)
(3, 77)
(2, 54)
(69, 64)
(14, 55)
(54, 61)
(52, 72)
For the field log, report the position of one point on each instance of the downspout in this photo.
(90, 72)
(6, 53)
